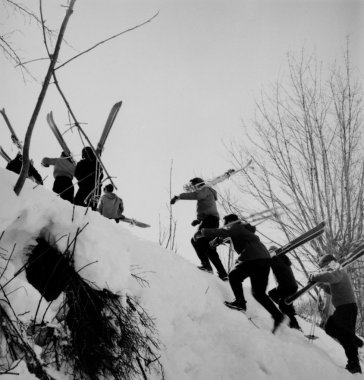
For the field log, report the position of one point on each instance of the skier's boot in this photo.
(206, 267)
(223, 276)
(278, 322)
(353, 366)
(237, 305)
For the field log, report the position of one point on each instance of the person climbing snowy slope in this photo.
(286, 285)
(207, 217)
(253, 261)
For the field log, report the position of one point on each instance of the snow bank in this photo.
(202, 338)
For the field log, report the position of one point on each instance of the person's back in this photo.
(63, 172)
(88, 177)
(281, 267)
(110, 205)
(246, 244)
(62, 167)
(206, 201)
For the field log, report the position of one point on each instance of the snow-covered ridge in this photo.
(203, 339)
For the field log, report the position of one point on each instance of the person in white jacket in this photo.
(110, 205)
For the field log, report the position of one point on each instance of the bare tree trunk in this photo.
(24, 171)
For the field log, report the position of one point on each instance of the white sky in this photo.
(187, 80)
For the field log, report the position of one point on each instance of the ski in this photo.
(59, 136)
(109, 123)
(134, 222)
(260, 216)
(100, 146)
(304, 238)
(344, 262)
(220, 178)
(4, 155)
(14, 137)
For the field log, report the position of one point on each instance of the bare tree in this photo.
(308, 150)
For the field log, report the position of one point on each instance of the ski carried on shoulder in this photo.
(220, 178)
(300, 240)
(343, 263)
(134, 222)
(226, 175)
(58, 136)
(260, 216)
(109, 123)
(14, 137)
(4, 155)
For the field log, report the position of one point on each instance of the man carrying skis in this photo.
(341, 325)
(207, 217)
(110, 205)
(253, 261)
(286, 285)
(88, 177)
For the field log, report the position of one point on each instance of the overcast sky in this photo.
(187, 79)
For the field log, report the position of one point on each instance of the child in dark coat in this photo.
(286, 285)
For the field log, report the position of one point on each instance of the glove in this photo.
(310, 278)
(195, 223)
(174, 199)
(197, 235)
(214, 243)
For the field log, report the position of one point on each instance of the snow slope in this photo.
(203, 339)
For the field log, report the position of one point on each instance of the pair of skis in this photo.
(100, 146)
(216, 180)
(343, 263)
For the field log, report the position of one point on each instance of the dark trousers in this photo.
(64, 186)
(258, 271)
(279, 295)
(82, 194)
(202, 247)
(341, 326)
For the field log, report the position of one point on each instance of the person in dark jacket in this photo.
(253, 261)
(207, 217)
(89, 178)
(16, 164)
(110, 205)
(286, 285)
(341, 325)
(64, 170)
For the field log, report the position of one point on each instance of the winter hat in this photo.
(197, 180)
(325, 260)
(272, 248)
(230, 218)
(109, 187)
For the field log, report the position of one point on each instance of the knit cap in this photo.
(325, 260)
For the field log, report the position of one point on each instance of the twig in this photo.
(108, 39)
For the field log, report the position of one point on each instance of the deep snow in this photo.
(203, 339)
